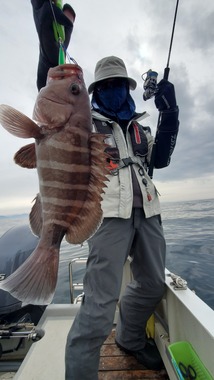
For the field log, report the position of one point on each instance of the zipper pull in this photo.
(149, 197)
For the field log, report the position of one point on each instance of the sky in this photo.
(139, 32)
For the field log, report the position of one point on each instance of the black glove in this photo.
(165, 96)
(49, 47)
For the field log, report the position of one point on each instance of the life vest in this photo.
(139, 145)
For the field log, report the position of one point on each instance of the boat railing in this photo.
(76, 286)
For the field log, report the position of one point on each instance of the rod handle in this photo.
(166, 73)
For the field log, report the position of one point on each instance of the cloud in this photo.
(140, 34)
(201, 33)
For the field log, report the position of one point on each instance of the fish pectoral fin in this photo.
(36, 216)
(35, 280)
(18, 124)
(26, 156)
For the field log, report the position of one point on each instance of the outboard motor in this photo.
(16, 245)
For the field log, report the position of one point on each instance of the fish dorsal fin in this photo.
(90, 217)
(26, 156)
(36, 216)
(18, 124)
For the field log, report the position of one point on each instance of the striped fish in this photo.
(71, 166)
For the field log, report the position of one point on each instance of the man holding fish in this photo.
(131, 224)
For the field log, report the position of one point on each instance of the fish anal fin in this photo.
(18, 124)
(85, 225)
(35, 280)
(26, 156)
(36, 216)
(89, 219)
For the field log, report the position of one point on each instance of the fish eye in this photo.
(75, 89)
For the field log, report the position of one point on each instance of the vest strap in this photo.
(139, 145)
(125, 162)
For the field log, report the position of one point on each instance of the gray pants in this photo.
(117, 238)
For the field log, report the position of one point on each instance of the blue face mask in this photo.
(112, 98)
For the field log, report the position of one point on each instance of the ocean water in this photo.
(189, 233)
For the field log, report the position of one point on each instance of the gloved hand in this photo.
(49, 47)
(165, 96)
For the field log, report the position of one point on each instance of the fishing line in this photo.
(51, 5)
(70, 58)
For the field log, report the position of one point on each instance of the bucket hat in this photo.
(110, 67)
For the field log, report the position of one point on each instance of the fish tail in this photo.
(35, 280)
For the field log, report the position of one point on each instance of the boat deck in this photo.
(115, 364)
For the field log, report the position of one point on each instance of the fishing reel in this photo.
(150, 84)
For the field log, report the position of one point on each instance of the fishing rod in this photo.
(150, 87)
(167, 69)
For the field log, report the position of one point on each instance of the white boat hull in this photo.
(180, 316)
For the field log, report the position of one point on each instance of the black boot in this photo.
(149, 356)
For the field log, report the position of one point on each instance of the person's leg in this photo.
(145, 292)
(108, 250)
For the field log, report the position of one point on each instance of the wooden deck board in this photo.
(133, 375)
(117, 365)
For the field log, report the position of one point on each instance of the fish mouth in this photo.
(51, 100)
(64, 71)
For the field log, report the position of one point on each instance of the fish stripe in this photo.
(57, 218)
(59, 145)
(66, 178)
(69, 137)
(64, 157)
(79, 168)
(60, 193)
(77, 156)
(58, 184)
(66, 202)
(65, 212)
